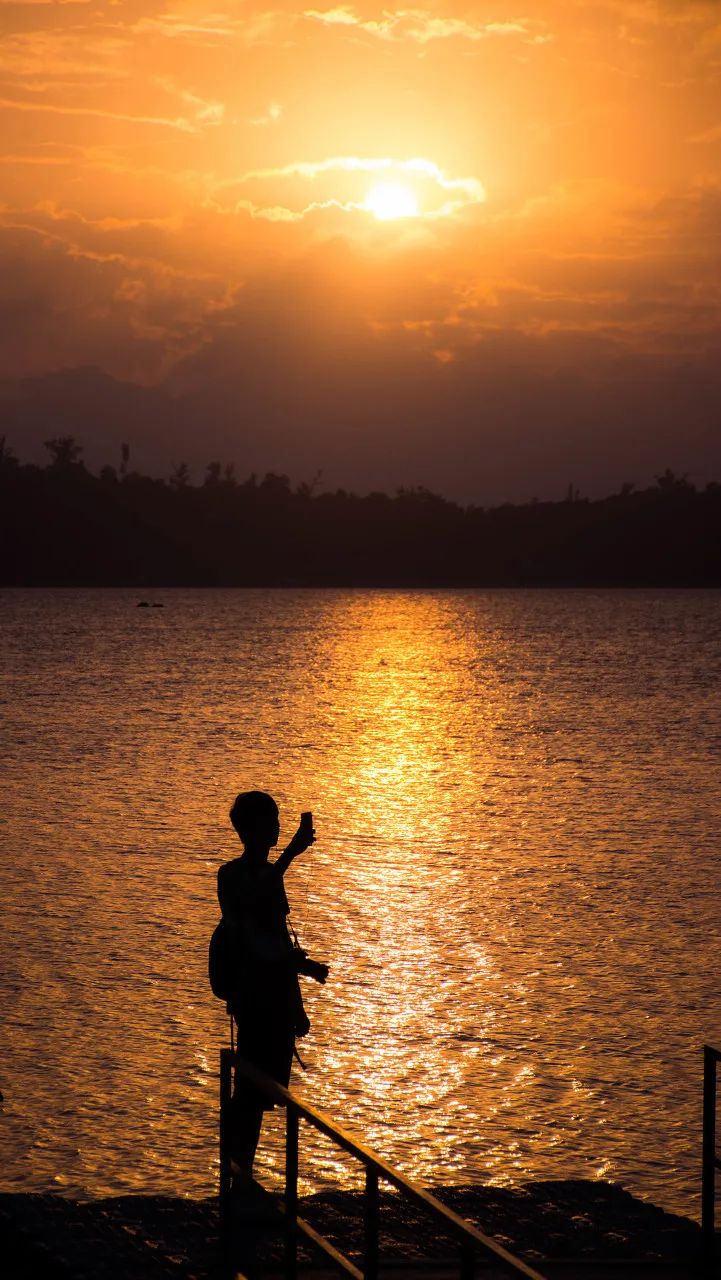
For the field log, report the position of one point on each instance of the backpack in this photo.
(220, 961)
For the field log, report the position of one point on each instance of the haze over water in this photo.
(516, 879)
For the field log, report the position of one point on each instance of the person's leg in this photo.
(269, 1047)
(246, 1118)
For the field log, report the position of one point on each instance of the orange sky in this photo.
(200, 199)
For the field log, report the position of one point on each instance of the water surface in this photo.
(516, 879)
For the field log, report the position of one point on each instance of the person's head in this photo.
(254, 815)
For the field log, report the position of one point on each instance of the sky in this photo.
(475, 247)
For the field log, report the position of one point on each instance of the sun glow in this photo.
(389, 200)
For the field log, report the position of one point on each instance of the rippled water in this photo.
(516, 879)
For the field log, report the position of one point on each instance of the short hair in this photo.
(248, 807)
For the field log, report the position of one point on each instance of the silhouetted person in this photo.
(265, 998)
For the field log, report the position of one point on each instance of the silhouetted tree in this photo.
(275, 487)
(63, 525)
(669, 482)
(307, 490)
(180, 476)
(8, 461)
(64, 452)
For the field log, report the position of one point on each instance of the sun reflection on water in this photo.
(487, 885)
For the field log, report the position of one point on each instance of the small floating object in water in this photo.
(143, 604)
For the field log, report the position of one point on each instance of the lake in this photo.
(516, 878)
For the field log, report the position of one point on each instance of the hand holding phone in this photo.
(304, 836)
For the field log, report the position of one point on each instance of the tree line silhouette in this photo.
(64, 526)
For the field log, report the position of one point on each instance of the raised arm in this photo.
(302, 840)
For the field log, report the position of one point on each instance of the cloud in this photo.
(502, 379)
(71, 56)
(272, 116)
(98, 113)
(164, 221)
(177, 27)
(43, 3)
(16, 158)
(205, 111)
(102, 292)
(209, 29)
(712, 134)
(439, 196)
(423, 27)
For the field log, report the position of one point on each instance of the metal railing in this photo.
(710, 1161)
(470, 1240)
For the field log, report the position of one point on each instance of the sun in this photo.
(389, 200)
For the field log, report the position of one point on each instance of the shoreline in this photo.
(142, 1237)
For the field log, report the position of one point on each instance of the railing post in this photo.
(226, 1059)
(291, 1192)
(468, 1260)
(708, 1156)
(473, 1240)
(371, 1215)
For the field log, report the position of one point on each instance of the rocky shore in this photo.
(151, 1237)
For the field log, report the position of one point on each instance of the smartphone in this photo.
(306, 823)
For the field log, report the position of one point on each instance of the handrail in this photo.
(470, 1239)
(710, 1161)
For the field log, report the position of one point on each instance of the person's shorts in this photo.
(268, 1048)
